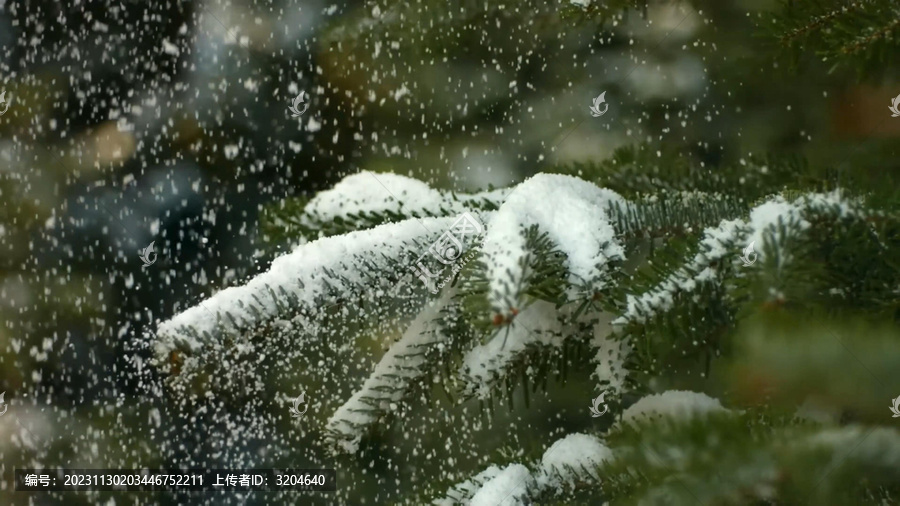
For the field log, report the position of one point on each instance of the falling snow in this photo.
(185, 259)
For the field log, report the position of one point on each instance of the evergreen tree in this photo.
(737, 325)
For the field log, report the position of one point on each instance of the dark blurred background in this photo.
(134, 122)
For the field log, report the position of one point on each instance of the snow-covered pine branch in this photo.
(716, 257)
(367, 199)
(771, 226)
(318, 273)
(298, 285)
(574, 215)
(576, 458)
(550, 246)
(417, 352)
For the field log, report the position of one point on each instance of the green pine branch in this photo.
(861, 34)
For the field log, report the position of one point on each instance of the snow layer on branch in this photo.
(378, 193)
(572, 212)
(299, 274)
(716, 244)
(404, 363)
(766, 214)
(485, 364)
(570, 459)
(673, 404)
(727, 239)
(462, 493)
(507, 487)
